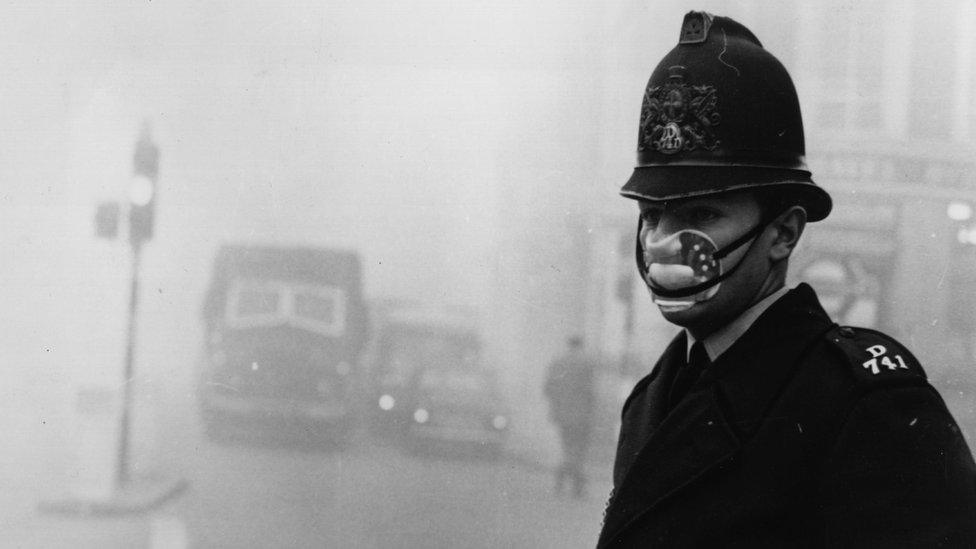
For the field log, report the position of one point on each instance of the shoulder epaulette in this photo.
(876, 358)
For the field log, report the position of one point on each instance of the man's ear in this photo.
(789, 226)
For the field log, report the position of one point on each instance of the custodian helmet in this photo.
(720, 113)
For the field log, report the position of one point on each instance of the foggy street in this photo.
(364, 496)
(278, 491)
(261, 486)
(279, 486)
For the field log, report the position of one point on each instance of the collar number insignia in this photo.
(677, 116)
(879, 352)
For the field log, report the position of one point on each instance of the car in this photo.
(457, 405)
(429, 382)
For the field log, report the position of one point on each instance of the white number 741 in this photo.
(879, 351)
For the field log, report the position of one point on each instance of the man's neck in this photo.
(718, 341)
(773, 283)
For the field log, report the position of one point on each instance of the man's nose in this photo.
(664, 228)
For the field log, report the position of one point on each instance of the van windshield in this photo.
(318, 309)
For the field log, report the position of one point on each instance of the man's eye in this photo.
(651, 217)
(701, 215)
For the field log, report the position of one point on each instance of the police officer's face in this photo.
(724, 218)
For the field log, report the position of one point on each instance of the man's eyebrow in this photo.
(700, 203)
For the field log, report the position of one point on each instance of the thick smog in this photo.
(360, 274)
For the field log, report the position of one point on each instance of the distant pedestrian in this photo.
(572, 398)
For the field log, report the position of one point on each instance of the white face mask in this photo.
(680, 262)
(686, 267)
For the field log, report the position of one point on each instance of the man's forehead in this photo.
(716, 199)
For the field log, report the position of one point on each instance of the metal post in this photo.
(625, 294)
(123, 458)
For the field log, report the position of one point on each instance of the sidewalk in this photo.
(44, 531)
(598, 467)
(159, 529)
(127, 522)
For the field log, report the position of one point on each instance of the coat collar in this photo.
(750, 375)
(722, 410)
(723, 338)
(659, 380)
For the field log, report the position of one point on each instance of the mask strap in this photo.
(735, 244)
(639, 251)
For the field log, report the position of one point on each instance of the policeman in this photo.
(763, 424)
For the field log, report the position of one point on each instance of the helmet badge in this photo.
(677, 116)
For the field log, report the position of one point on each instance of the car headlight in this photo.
(421, 416)
(387, 403)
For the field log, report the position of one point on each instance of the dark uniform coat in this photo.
(802, 434)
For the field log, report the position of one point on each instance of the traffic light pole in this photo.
(131, 493)
(129, 370)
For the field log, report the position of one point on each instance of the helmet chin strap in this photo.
(751, 234)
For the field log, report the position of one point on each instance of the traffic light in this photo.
(142, 190)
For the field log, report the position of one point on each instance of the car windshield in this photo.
(412, 351)
(457, 382)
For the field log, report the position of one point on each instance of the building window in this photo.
(848, 71)
(966, 61)
(933, 75)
